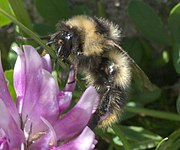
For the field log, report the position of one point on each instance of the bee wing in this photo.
(138, 76)
(141, 78)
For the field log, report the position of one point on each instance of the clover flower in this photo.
(36, 120)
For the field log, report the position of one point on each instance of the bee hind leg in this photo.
(102, 110)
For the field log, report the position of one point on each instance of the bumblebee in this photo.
(91, 44)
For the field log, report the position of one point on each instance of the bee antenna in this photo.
(22, 38)
(50, 42)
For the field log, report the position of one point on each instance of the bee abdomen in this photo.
(111, 105)
(112, 87)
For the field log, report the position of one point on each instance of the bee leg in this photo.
(94, 121)
(102, 109)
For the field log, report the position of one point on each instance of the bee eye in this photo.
(68, 36)
(60, 42)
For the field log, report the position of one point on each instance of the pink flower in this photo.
(34, 122)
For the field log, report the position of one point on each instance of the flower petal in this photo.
(71, 83)
(77, 118)
(64, 99)
(4, 143)
(42, 143)
(37, 90)
(32, 73)
(46, 60)
(12, 131)
(5, 96)
(46, 105)
(46, 140)
(19, 77)
(85, 141)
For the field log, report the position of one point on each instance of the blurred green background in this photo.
(150, 35)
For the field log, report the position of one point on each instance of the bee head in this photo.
(66, 41)
(62, 41)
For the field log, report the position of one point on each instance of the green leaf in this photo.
(54, 10)
(21, 13)
(174, 22)
(119, 132)
(146, 97)
(126, 114)
(148, 22)
(178, 104)
(108, 137)
(176, 57)
(134, 49)
(43, 29)
(79, 10)
(9, 80)
(12, 56)
(138, 137)
(174, 25)
(4, 4)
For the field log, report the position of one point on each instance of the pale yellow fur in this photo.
(123, 77)
(93, 42)
(112, 118)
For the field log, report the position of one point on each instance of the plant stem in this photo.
(154, 113)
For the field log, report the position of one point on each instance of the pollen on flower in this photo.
(52, 142)
(37, 136)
